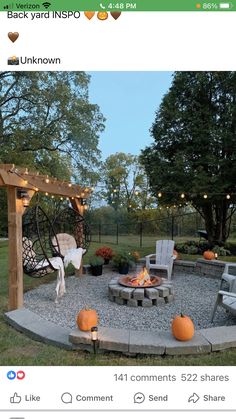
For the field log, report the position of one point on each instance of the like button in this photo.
(15, 398)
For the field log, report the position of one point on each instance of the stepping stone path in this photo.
(144, 297)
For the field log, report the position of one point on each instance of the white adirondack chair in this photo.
(163, 258)
(226, 299)
(229, 275)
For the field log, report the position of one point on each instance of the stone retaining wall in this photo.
(210, 268)
(122, 340)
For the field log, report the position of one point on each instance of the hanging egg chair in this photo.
(37, 247)
(72, 231)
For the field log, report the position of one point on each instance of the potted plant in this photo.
(96, 263)
(106, 253)
(123, 261)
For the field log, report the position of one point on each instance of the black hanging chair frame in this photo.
(37, 233)
(70, 221)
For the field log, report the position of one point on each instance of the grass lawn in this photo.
(17, 349)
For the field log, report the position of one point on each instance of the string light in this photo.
(47, 180)
(69, 184)
(182, 196)
(136, 193)
(46, 193)
(227, 196)
(205, 196)
(159, 194)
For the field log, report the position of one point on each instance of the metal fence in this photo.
(145, 233)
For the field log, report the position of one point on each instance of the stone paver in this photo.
(114, 339)
(138, 294)
(146, 302)
(163, 291)
(151, 293)
(146, 343)
(37, 328)
(220, 337)
(127, 293)
(198, 345)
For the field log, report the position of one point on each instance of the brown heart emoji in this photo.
(115, 15)
(89, 15)
(13, 36)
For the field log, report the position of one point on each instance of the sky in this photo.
(128, 101)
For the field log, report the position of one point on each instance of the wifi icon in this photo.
(46, 5)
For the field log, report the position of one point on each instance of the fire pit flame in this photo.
(142, 279)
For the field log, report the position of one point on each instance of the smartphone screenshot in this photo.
(117, 209)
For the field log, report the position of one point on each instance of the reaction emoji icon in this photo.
(89, 15)
(102, 15)
(13, 36)
(115, 15)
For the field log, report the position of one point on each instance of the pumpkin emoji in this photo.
(208, 255)
(86, 319)
(182, 328)
(102, 15)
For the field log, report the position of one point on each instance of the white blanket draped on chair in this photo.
(74, 256)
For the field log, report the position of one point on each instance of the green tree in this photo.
(126, 182)
(194, 149)
(47, 122)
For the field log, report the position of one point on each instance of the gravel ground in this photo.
(194, 296)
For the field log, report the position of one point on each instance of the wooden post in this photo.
(15, 211)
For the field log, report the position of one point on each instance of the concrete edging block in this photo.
(197, 345)
(149, 343)
(223, 337)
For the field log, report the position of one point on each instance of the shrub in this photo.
(105, 252)
(221, 251)
(122, 258)
(96, 260)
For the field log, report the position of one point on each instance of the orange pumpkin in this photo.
(208, 255)
(86, 319)
(175, 253)
(182, 328)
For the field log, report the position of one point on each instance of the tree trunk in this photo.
(216, 223)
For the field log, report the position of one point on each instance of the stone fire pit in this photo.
(140, 296)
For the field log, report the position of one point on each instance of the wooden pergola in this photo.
(15, 180)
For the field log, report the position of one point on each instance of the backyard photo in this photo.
(117, 218)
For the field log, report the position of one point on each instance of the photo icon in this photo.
(13, 60)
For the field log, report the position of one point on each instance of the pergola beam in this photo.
(22, 179)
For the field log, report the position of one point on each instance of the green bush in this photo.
(221, 251)
(123, 258)
(96, 260)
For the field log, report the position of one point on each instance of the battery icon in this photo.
(225, 5)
